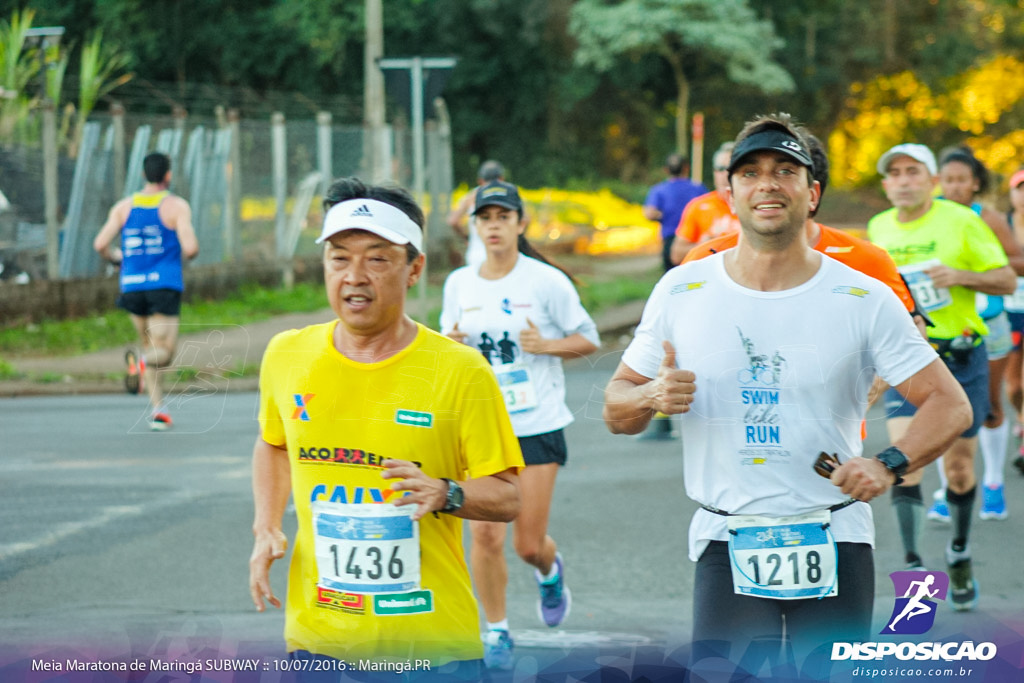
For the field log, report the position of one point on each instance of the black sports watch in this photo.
(895, 461)
(455, 496)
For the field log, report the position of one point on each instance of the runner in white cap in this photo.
(947, 254)
(386, 435)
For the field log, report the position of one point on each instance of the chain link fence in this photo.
(253, 184)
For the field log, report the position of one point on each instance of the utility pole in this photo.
(374, 132)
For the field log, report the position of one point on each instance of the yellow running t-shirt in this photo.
(952, 235)
(356, 587)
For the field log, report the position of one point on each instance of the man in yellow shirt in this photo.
(946, 254)
(386, 435)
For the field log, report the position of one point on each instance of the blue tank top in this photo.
(151, 251)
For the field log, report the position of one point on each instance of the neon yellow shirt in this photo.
(956, 237)
(435, 403)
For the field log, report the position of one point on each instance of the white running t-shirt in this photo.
(493, 313)
(780, 376)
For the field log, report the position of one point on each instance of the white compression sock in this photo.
(993, 442)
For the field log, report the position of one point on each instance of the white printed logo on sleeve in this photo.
(517, 386)
(783, 558)
(366, 548)
(926, 294)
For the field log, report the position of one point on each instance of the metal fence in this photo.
(253, 184)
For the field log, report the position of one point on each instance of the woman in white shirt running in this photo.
(525, 316)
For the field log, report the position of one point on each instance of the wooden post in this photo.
(120, 156)
(375, 158)
(50, 195)
(233, 190)
(279, 164)
(324, 149)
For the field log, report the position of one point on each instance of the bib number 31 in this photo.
(783, 558)
(928, 296)
(517, 387)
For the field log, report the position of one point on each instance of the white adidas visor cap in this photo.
(373, 216)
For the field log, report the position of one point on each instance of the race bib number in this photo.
(783, 558)
(1014, 303)
(366, 548)
(517, 387)
(926, 294)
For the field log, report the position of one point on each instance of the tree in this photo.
(685, 33)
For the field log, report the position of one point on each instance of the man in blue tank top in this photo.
(156, 233)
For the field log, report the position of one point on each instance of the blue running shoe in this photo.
(939, 511)
(993, 504)
(498, 647)
(555, 598)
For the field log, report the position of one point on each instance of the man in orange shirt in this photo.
(709, 215)
(856, 253)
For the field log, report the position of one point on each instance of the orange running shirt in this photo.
(706, 217)
(854, 252)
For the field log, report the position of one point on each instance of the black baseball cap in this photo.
(773, 140)
(498, 193)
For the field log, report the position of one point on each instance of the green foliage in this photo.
(520, 91)
(17, 68)
(683, 32)
(68, 336)
(114, 329)
(99, 64)
(7, 371)
(252, 304)
(599, 295)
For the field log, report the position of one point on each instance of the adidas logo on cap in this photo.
(362, 210)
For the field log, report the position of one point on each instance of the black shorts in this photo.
(733, 626)
(540, 449)
(149, 302)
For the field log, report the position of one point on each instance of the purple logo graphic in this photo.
(917, 594)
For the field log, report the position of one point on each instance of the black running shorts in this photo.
(541, 449)
(149, 302)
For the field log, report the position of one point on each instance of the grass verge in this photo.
(82, 335)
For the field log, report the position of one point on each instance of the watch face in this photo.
(895, 460)
(455, 495)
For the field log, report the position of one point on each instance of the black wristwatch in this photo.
(455, 496)
(895, 461)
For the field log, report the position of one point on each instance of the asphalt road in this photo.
(121, 543)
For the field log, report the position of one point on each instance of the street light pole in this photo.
(416, 66)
